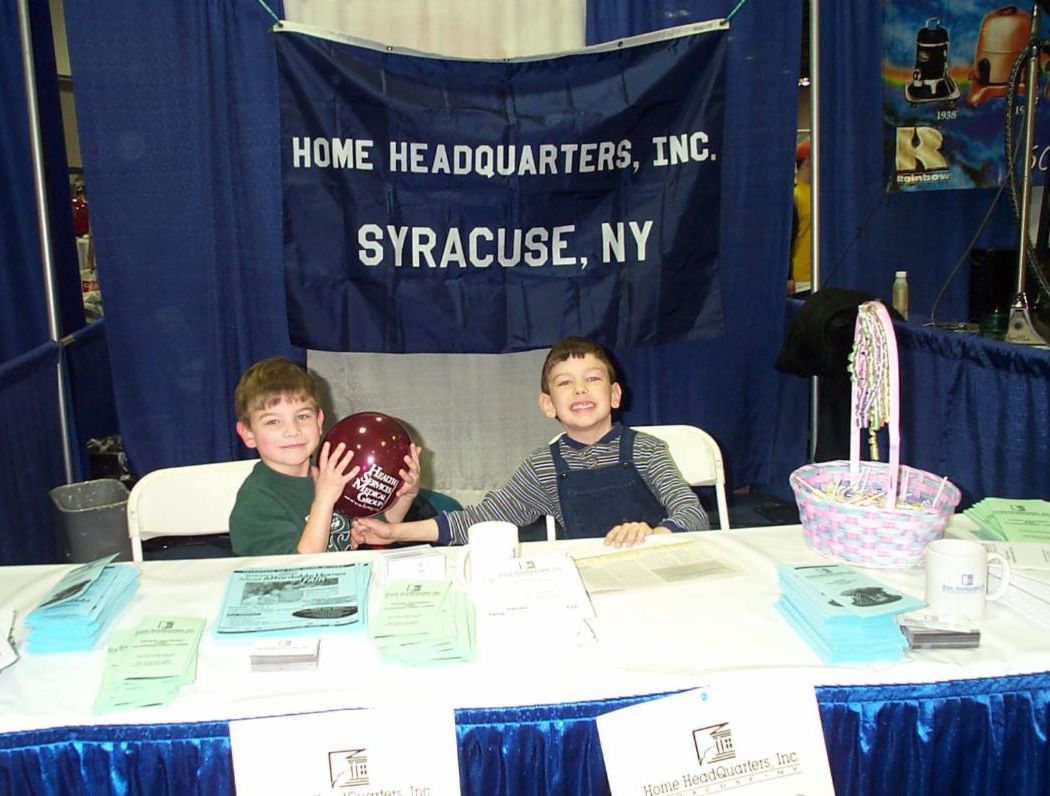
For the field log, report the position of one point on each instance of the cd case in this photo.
(929, 631)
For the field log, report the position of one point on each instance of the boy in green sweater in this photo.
(286, 505)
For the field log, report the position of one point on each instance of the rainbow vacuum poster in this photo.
(946, 72)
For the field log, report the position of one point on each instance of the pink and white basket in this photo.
(872, 513)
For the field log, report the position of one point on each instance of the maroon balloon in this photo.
(380, 444)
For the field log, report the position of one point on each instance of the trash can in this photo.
(92, 519)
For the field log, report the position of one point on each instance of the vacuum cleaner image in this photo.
(930, 82)
(1003, 35)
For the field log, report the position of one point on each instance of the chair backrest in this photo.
(184, 501)
(698, 458)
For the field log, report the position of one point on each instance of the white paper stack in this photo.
(421, 562)
(536, 600)
(1028, 593)
(285, 655)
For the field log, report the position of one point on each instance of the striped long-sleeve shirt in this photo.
(532, 491)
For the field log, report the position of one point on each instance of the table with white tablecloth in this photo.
(951, 721)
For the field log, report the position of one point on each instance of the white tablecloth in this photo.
(649, 641)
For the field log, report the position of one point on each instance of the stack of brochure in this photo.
(843, 614)
(423, 622)
(79, 608)
(148, 664)
(290, 600)
(1012, 520)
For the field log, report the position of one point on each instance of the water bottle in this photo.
(900, 293)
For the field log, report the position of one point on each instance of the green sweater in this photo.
(271, 511)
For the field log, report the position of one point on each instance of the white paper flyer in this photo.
(406, 749)
(742, 733)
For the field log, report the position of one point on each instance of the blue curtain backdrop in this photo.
(727, 385)
(30, 457)
(176, 104)
(23, 318)
(23, 310)
(31, 445)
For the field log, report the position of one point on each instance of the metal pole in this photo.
(1019, 328)
(814, 194)
(54, 330)
(1026, 153)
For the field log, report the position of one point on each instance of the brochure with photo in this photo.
(293, 600)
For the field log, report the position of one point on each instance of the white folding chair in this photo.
(698, 458)
(184, 501)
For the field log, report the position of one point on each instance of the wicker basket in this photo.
(835, 499)
(872, 536)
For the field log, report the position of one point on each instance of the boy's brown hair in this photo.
(266, 383)
(574, 347)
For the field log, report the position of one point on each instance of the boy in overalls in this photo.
(597, 479)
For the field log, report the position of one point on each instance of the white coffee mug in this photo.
(490, 546)
(957, 577)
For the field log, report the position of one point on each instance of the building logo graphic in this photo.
(348, 767)
(714, 743)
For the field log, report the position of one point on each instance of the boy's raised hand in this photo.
(630, 534)
(411, 474)
(332, 472)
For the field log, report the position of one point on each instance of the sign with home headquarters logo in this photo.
(740, 733)
(396, 750)
(946, 72)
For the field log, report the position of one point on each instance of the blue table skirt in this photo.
(959, 737)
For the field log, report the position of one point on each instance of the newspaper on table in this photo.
(646, 566)
(79, 608)
(290, 600)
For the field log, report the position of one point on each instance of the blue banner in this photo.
(447, 205)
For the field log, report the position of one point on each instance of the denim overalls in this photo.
(593, 501)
